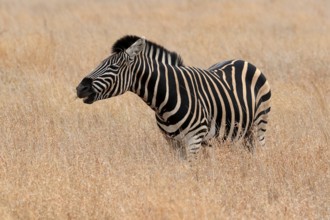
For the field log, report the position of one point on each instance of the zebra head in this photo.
(113, 76)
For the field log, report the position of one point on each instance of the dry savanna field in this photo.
(62, 159)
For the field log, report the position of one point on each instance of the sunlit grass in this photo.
(62, 159)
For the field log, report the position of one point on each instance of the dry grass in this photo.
(62, 159)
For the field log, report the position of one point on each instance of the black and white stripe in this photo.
(230, 100)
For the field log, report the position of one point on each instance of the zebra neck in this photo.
(158, 53)
(150, 82)
(150, 75)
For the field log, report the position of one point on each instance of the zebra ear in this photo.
(136, 48)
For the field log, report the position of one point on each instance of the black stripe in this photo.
(262, 113)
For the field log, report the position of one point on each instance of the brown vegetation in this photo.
(62, 159)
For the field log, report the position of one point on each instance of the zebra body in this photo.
(191, 105)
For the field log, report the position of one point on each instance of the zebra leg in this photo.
(177, 146)
(183, 149)
(206, 144)
(261, 119)
(249, 140)
(194, 148)
(261, 133)
(261, 124)
(192, 151)
(180, 149)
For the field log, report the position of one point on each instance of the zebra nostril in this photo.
(85, 88)
(85, 85)
(81, 88)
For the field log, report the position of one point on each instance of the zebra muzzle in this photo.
(85, 91)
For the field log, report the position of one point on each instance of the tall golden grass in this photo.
(61, 159)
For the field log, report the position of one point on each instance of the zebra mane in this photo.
(125, 42)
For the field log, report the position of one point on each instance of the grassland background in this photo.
(61, 159)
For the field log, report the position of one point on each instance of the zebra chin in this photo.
(89, 99)
(85, 91)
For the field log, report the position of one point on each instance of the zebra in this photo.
(230, 100)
